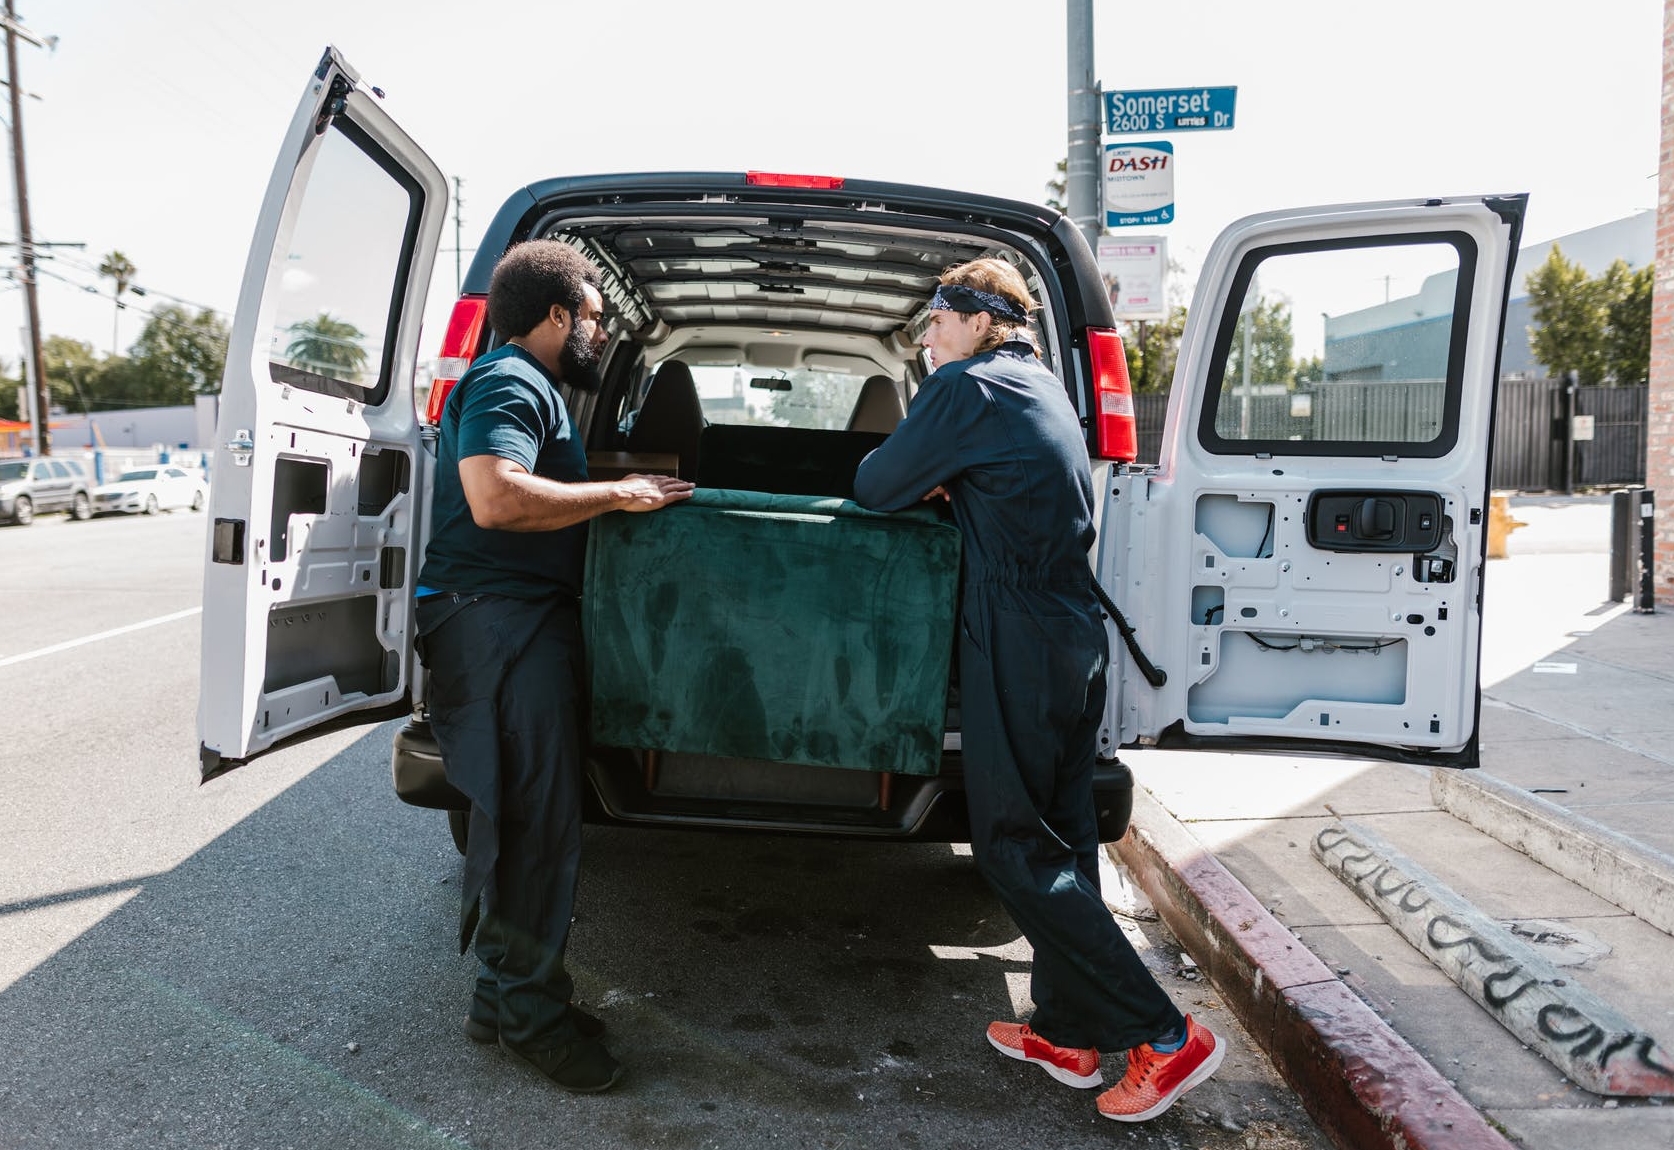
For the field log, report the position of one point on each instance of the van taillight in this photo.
(459, 348)
(1118, 432)
(786, 180)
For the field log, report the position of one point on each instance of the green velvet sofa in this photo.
(788, 628)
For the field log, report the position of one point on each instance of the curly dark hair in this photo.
(530, 278)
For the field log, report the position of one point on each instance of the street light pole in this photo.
(1081, 168)
(25, 243)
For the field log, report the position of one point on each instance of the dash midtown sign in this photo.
(1138, 184)
(1169, 110)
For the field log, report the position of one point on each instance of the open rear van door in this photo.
(1305, 561)
(315, 499)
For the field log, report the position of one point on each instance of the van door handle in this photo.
(1374, 519)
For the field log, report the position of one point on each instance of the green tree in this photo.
(329, 346)
(817, 399)
(72, 372)
(1627, 342)
(121, 269)
(1271, 345)
(1153, 348)
(1057, 194)
(179, 355)
(8, 393)
(1571, 318)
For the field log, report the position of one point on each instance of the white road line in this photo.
(140, 626)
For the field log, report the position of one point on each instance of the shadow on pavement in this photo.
(293, 984)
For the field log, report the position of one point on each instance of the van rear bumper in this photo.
(796, 800)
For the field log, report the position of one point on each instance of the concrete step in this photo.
(1258, 815)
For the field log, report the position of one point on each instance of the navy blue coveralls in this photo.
(998, 433)
(500, 635)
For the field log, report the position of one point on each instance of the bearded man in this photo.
(500, 635)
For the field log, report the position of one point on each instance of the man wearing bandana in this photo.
(500, 635)
(993, 432)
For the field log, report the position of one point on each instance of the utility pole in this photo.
(1081, 172)
(458, 250)
(25, 243)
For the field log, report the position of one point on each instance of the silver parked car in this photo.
(31, 487)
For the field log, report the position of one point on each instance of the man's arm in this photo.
(919, 458)
(504, 497)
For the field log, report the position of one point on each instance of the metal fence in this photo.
(1531, 424)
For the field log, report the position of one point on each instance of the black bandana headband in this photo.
(957, 297)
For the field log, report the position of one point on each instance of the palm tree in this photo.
(120, 268)
(327, 345)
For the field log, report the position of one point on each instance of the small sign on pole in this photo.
(1135, 270)
(1138, 184)
(1582, 428)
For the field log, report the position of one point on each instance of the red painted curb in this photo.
(1361, 1082)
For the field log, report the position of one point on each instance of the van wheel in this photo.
(459, 824)
(197, 501)
(151, 505)
(81, 510)
(23, 511)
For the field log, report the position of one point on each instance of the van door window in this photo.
(1348, 351)
(334, 286)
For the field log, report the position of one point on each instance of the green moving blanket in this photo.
(792, 628)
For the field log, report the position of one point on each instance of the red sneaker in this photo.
(1154, 1081)
(1068, 1064)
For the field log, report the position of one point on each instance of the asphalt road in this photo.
(265, 961)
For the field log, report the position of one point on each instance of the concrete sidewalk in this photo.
(1385, 1049)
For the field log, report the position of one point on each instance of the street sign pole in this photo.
(1081, 169)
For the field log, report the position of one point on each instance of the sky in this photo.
(157, 125)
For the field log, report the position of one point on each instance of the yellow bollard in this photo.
(1500, 523)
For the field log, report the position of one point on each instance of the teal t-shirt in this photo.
(505, 405)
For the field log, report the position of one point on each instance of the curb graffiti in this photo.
(1588, 1040)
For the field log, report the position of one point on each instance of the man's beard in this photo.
(579, 361)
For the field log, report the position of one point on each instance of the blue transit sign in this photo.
(1168, 110)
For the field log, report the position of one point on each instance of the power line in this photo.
(140, 289)
(219, 342)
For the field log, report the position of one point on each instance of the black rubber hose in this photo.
(1154, 675)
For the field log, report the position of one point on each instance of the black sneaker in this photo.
(486, 1030)
(582, 1067)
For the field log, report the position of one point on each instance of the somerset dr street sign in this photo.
(1168, 110)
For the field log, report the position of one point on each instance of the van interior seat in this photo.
(670, 419)
(878, 407)
(783, 460)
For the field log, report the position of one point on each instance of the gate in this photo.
(1530, 427)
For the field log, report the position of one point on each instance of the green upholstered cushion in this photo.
(791, 628)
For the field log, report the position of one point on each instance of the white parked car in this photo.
(150, 489)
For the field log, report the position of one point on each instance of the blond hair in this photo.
(998, 278)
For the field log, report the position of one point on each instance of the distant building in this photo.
(170, 428)
(1374, 342)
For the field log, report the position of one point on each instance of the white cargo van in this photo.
(1301, 561)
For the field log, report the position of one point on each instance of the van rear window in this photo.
(1354, 350)
(332, 290)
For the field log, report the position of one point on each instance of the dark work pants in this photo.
(1032, 665)
(505, 703)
